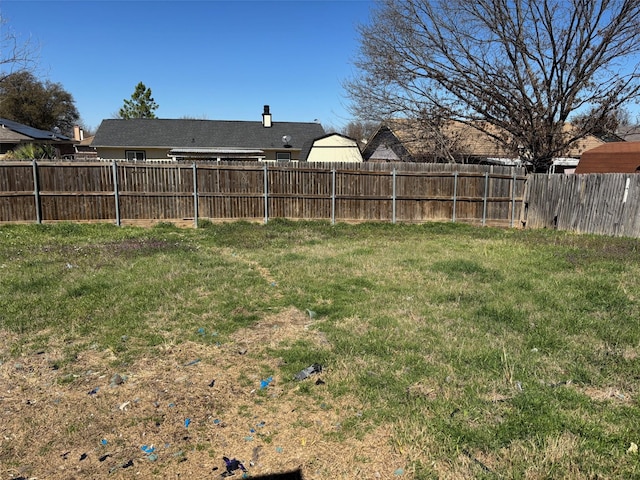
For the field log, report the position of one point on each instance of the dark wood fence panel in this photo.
(157, 192)
(76, 192)
(230, 192)
(607, 203)
(120, 191)
(17, 193)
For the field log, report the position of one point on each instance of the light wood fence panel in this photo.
(606, 204)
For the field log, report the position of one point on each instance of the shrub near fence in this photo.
(126, 192)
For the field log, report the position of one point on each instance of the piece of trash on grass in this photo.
(212, 383)
(633, 448)
(153, 457)
(147, 449)
(94, 391)
(232, 465)
(192, 362)
(103, 441)
(399, 471)
(123, 406)
(279, 449)
(311, 313)
(116, 380)
(315, 368)
(248, 438)
(104, 457)
(265, 383)
(83, 456)
(122, 465)
(187, 422)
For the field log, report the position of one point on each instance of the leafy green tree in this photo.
(43, 105)
(141, 104)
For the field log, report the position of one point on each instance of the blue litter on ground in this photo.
(265, 383)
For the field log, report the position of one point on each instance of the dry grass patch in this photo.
(193, 403)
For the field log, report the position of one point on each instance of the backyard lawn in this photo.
(446, 351)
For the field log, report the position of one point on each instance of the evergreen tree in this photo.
(141, 104)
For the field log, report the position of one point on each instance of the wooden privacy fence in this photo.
(606, 203)
(129, 193)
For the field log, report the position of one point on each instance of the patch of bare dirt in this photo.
(176, 413)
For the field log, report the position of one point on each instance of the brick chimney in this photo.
(266, 117)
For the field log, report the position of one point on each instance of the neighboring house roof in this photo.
(184, 134)
(406, 140)
(24, 132)
(615, 157)
(335, 147)
(629, 134)
(86, 142)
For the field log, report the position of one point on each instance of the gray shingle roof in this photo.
(183, 133)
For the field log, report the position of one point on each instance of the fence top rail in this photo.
(405, 168)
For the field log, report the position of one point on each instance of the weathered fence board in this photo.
(606, 204)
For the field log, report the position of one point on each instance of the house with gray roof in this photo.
(147, 139)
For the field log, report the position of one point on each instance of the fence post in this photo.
(333, 196)
(195, 195)
(393, 199)
(484, 198)
(513, 199)
(116, 193)
(455, 196)
(266, 194)
(36, 192)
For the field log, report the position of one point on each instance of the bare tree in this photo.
(516, 70)
(360, 131)
(15, 55)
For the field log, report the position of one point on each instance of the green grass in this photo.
(494, 346)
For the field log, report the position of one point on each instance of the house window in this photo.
(135, 155)
(283, 156)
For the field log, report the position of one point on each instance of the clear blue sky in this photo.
(213, 59)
